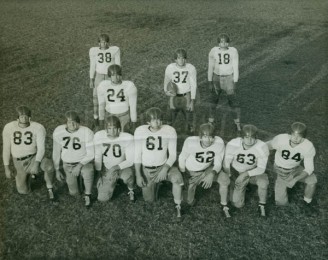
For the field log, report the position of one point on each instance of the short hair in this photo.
(299, 128)
(114, 68)
(103, 36)
(24, 110)
(180, 52)
(153, 113)
(73, 116)
(223, 36)
(249, 131)
(206, 128)
(113, 120)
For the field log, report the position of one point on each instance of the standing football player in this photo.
(73, 144)
(245, 161)
(223, 74)
(183, 76)
(115, 150)
(101, 58)
(155, 153)
(117, 97)
(291, 150)
(24, 140)
(201, 161)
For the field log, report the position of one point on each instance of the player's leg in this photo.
(124, 119)
(148, 192)
(105, 187)
(190, 114)
(193, 179)
(21, 178)
(214, 98)
(70, 179)
(280, 192)
(87, 173)
(99, 78)
(48, 168)
(262, 182)
(175, 177)
(224, 181)
(238, 196)
(232, 99)
(310, 186)
(128, 178)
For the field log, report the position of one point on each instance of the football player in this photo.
(245, 161)
(115, 150)
(24, 140)
(101, 58)
(155, 153)
(201, 161)
(117, 97)
(184, 76)
(223, 74)
(73, 144)
(291, 150)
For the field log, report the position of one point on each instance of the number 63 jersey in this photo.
(75, 147)
(253, 160)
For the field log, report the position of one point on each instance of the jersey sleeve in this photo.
(6, 144)
(90, 153)
(92, 57)
(133, 94)
(184, 155)
(262, 161)
(138, 146)
(40, 143)
(309, 160)
(129, 154)
(211, 63)
(117, 57)
(235, 65)
(193, 82)
(172, 148)
(167, 77)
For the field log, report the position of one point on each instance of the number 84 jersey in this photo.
(253, 160)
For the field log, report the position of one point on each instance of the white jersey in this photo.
(185, 78)
(290, 157)
(223, 62)
(100, 59)
(118, 151)
(155, 148)
(196, 158)
(76, 147)
(20, 142)
(253, 160)
(117, 99)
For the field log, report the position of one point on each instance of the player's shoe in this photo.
(87, 200)
(262, 210)
(51, 194)
(225, 210)
(178, 208)
(131, 195)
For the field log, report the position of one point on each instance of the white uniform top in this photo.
(117, 99)
(253, 160)
(76, 147)
(223, 62)
(290, 157)
(196, 158)
(112, 152)
(185, 78)
(155, 148)
(20, 142)
(100, 60)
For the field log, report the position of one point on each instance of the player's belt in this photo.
(181, 95)
(153, 167)
(222, 75)
(25, 157)
(284, 168)
(118, 115)
(72, 164)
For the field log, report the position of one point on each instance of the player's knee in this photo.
(311, 180)
(103, 197)
(47, 165)
(263, 184)
(223, 179)
(88, 171)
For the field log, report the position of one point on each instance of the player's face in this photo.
(206, 140)
(103, 44)
(112, 131)
(223, 43)
(71, 125)
(23, 119)
(180, 61)
(249, 140)
(115, 78)
(155, 124)
(296, 138)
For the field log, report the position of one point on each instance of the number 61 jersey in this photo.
(253, 160)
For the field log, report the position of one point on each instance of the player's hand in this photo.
(162, 175)
(291, 183)
(60, 176)
(242, 177)
(208, 180)
(141, 182)
(92, 83)
(114, 173)
(191, 106)
(77, 170)
(8, 172)
(211, 86)
(35, 168)
(169, 93)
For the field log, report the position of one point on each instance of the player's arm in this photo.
(167, 80)
(56, 152)
(183, 156)
(90, 150)
(129, 155)
(211, 64)
(273, 143)
(117, 57)
(133, 93)
(92, 67)
(98, 153)
(6, 150)
(218, 158)
(193, 86)
(40, 145)
(262, 161)
(228, 158)
(235, 66)
(141, 182)
(101, 94)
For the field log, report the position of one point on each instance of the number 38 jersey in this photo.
(117, 99)
(196, 158)
(112, 152)
(75, 147)
(21, 142)
(290, 157)
(155, 148)
(253, 160)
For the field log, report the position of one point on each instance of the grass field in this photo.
(283, 65)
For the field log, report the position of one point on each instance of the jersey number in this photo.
(76, 142)
(107, 57)
(111, 93)
(250, 160)
(180, 76)
(225, 60)
(117, 152)
(151, 146)
(208, 158)
(285, 154)
(18, 137)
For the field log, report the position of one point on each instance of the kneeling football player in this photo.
(24, 140)
(201, 161)
(155, 153)
(245, 161)
(73, 143)
(115, 150)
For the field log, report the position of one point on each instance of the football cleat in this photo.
(261, 210)
(51, 194)
(87, 200)
(178, 208)
(226, 212)
(131, 195)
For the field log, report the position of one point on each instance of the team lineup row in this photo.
(153, 151)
